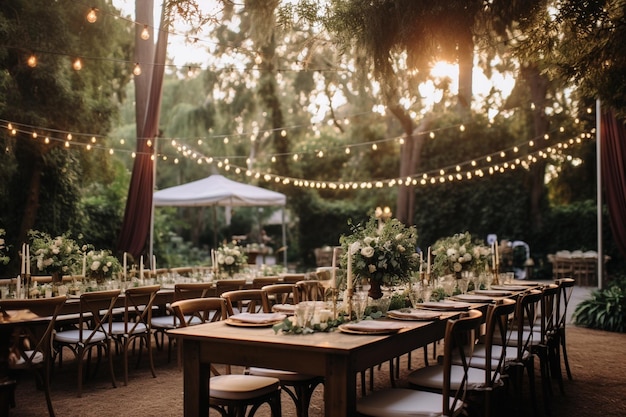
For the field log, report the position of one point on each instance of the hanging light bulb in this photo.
(145, 33)
(32, 61)
(137, 69)
(77, 65)
(92, 16)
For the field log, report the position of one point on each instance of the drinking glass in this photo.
(359, 302)
(463, 284)
(427, 292)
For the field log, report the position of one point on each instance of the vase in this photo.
(57, 276)
(375, 291)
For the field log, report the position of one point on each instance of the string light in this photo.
(32, 61)
(137, 69)
(77, 65)
(145, 33)
(92, 16)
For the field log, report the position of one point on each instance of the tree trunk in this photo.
(538, 85)
(466, 66)
(31, 205)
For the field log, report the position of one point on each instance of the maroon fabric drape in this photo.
(148, 88)
(613, 161)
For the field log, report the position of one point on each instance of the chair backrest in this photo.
(458, 343)
(32, 340)
(138, 304)
(310, 290)
(549, 300)
(260, 282)
(200, 310)
(566, 287)
(96, 313)
(247, 301)
(292, 278)
(526, 319)
(224, 285)
(184, 291)
(496, 328)
(282, 294)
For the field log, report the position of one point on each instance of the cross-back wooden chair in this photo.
(92, 331)
(30, 342)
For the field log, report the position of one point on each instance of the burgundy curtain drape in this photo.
(613, 171)
(148, 88)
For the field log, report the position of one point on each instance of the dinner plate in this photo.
(255, 320)
(445, 305)
(494, 292)
(284, 308)
(506, 287)
(473, 298)
(524, 283)
(370, 327)
(413, 314)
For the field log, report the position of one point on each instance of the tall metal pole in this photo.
(599, 194)
(154, 175)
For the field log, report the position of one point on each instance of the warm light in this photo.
(77, 65)
(145, 33)
(92, 16)
(32, 61)
(137, 69)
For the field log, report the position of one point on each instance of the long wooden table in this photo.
(336, 356)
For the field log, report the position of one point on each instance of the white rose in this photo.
(401, 248)
(368, 240)
(371, 268)
(399, 236)
(105, 269)
(457, 267)
(95, 265)
(451, 253)
(229, 260)
(47, 262)
(467, 257)
(55, 250)
(354, 247)
(462, 249)
(220, 259)
(367, 251)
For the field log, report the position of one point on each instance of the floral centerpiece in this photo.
(54, 255)
(230, 259)
(4, 257)
(101, 264)
(382, 252)
(457, 254)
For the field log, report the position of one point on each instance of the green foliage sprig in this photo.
(605, 310)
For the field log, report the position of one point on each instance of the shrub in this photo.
(605, 310)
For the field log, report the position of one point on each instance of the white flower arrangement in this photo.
(382, 252)
(53, 255)
(230, 258)
(101, 263)
(4, 257)
(458, 253)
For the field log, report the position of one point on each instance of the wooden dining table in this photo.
(335, 355)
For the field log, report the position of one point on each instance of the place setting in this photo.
(255, 319)
(371, 327)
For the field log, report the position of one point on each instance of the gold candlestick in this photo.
(349, 294)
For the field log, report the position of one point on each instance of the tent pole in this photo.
(154, 175)
(599, 195)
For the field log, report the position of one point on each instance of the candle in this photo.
(349, 273)
(125, 264)
(141, 268)
(154, 265)
(428, 261)
(497, 254)
(18, 287)
(23, 270)
(334, 266)
(493, 255)
(27, 259)
(84, 264)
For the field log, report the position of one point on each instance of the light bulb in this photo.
(77, 65)
(137, 69)
(32, 61)
(145, 33)
(92, 16)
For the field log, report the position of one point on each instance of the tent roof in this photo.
(217, 190)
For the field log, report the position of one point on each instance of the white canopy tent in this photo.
(217, 190)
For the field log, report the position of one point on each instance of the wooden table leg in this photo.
(339, 388)
(195, 381)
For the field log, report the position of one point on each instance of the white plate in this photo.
(508, 287)
(473, 298)
(255, 320)
(445, 305)
(370, 327)
(493, 293)
(413, 314)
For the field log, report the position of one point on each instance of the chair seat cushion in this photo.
(21, 362)
(164, 322)
(241, 387)
(119, 328)
(73, 336)
(402, 402)
(280, 374)
(432, 377)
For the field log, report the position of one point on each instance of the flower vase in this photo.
(57, 277)
(375, 291)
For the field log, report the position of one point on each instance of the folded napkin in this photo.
(373, 326)
(414, 314)
(257, 318)
(284, 308)
(473, 298)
